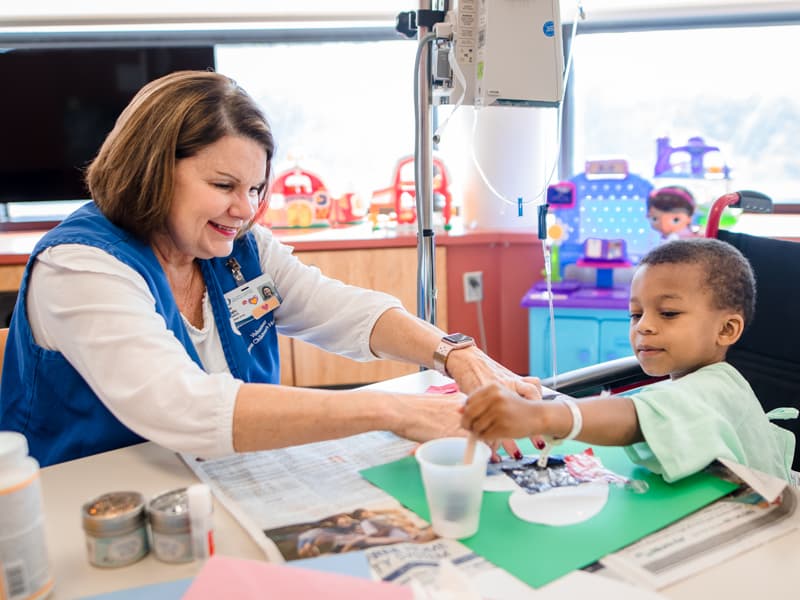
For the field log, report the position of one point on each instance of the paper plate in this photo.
(560, 506)
(499, 482)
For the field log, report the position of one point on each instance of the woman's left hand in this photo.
(472, 369)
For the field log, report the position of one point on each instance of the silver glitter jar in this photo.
(116, 529)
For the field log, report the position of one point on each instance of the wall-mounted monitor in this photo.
(57, 106)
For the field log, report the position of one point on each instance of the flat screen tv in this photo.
(58, 105)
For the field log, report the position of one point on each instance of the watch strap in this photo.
(443, 350)
(440, 357)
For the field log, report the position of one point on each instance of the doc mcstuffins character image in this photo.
(670, 210)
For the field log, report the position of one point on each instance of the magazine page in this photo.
(307, 500)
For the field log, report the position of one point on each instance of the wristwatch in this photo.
(450, 342)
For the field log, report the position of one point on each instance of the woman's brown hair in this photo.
(170, 118)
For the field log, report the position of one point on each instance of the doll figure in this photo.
(670, 210)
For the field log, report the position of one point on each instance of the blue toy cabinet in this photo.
(591, 321)
(591, 327)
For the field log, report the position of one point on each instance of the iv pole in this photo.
(423, 171)
(423, 22)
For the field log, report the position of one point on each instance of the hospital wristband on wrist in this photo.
(550, 441)
(577, 419)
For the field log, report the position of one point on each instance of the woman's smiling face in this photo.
(216, 194)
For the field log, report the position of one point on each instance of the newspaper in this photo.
(703, 539)
(448, 570)
(307, 500)
(445, 567)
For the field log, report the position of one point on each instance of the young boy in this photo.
(690, 301)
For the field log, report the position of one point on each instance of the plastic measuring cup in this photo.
(454, 490)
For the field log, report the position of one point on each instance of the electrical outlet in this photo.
(473, 286)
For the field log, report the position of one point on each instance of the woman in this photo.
(134, 321)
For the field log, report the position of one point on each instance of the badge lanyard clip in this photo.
(236, 270)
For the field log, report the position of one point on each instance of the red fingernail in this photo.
(540, 444)
(518, 455)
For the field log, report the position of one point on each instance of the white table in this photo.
(770, 571)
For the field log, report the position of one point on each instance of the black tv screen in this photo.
(58, 105)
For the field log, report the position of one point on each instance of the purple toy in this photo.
(696, 148)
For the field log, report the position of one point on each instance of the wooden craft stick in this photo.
(469, 452)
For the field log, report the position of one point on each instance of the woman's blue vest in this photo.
(44, 398)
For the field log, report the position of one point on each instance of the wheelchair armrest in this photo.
(618, 373)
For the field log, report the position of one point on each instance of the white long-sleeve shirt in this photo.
(99, 313)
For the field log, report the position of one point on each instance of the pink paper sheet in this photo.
(225, 577)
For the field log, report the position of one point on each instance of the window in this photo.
(733, 86)
(343, 110)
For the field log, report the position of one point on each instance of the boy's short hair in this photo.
(728, 273)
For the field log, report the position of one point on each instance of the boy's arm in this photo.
(495, 412)
(607, 421)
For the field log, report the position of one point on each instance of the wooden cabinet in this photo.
(390, 270)
(11, 277)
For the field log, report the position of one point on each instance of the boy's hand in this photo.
(495, 412)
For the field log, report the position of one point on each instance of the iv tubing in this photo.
(459, 75)
(549, 279)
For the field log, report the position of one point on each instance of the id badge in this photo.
(253, 300)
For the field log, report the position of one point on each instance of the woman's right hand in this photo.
(429, 416)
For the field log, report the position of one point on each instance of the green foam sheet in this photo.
(538, 554)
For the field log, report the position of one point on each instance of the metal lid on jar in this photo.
(169, 512)
(114, 513)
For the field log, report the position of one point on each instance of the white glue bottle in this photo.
(200, 520)
(24, 568)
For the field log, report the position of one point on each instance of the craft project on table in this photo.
(538, 554)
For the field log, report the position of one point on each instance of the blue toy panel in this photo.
(608, 209)
(584, 337)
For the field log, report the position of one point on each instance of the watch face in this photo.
(457, 338)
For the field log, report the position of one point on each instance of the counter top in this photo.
(16, 246)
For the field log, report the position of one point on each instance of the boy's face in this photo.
(675, 328)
